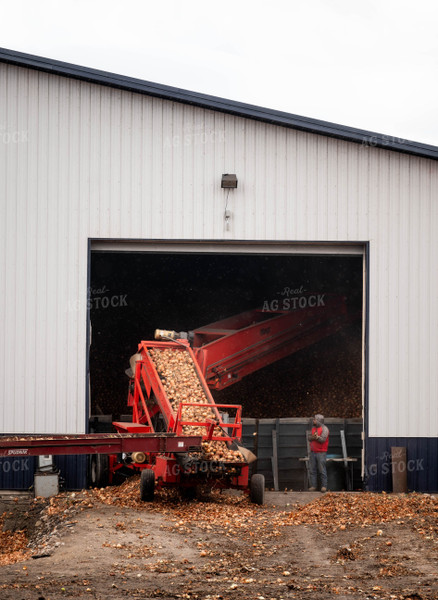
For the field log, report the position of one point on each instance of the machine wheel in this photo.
(257, 488)
(99, 470)
(147, 485)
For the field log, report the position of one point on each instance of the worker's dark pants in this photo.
(317, 464)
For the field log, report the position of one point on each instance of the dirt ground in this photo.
(105, 545)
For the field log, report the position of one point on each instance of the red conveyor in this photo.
(232, 348)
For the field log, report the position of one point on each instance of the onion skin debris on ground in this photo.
(107, 544)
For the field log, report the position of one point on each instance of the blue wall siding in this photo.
(17, 473)
(73, 471)
(422, 463)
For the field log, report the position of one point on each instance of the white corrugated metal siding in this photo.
(82, 161)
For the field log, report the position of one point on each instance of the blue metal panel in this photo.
(421, 466)
(73, 471)
(16, 473)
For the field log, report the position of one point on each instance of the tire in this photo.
(147, 485)
(99, 470)
(257, 489)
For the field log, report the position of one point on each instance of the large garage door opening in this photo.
(317, 367)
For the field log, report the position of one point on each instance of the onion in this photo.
(180, 381)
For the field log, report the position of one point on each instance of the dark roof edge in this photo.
(274, 117)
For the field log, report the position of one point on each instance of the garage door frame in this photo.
(296, 248)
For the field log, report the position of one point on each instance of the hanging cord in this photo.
(226, 215)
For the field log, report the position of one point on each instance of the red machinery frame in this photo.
(96, 443)
(236, 426)
(147, 398)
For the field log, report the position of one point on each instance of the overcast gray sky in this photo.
(370, 64)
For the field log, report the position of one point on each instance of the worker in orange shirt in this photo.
(319, 441)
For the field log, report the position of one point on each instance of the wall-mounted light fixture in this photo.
(229, 181)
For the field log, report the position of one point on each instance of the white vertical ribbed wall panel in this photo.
(89, 161)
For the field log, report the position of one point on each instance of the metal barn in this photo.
(99, 169)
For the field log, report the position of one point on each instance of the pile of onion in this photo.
(181, 384)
